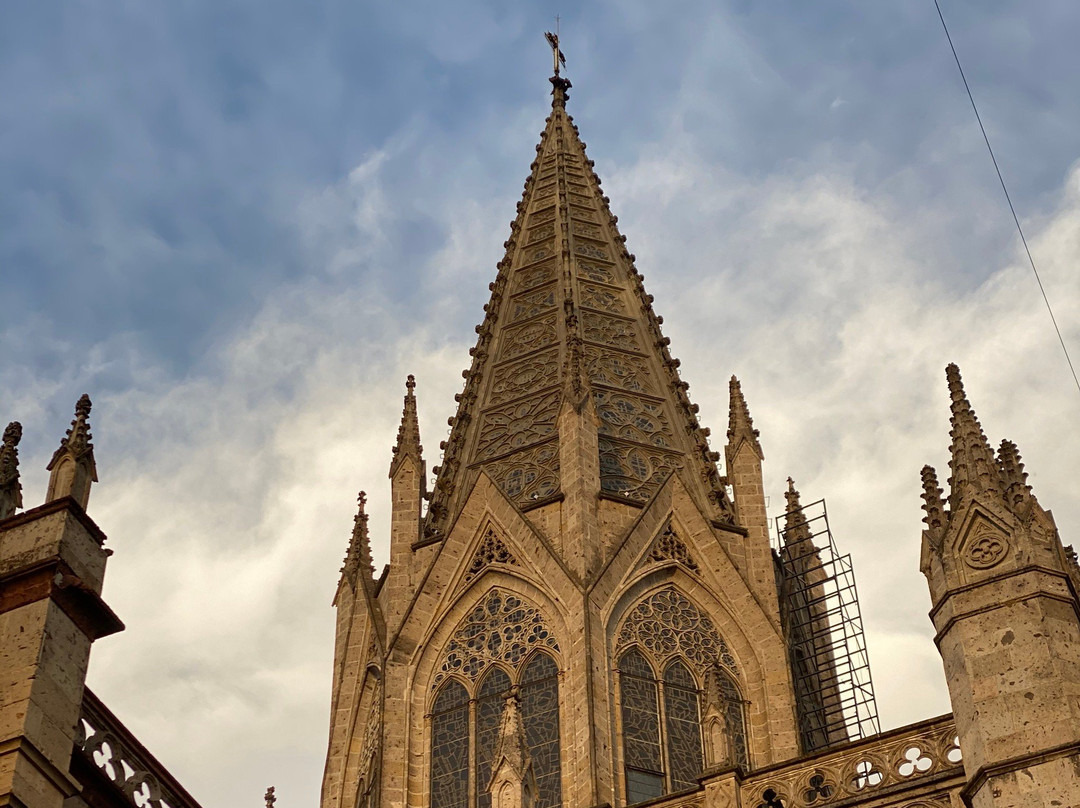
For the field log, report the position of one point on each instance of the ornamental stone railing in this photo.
(110, 749)
(917, 766)
(920, 763)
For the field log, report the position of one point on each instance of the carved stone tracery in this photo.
(666, 624)
(501, 628)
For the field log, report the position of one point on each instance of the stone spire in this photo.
(10, 487)
(974, 468)
(740, 424)
(569, 316)
(358, 558)
(408, 436)
(72, 468)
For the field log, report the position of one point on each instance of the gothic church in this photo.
(583, 611)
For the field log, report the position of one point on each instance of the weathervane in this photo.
(553, 41)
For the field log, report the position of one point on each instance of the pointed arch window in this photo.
(668, 650)
(500, 652)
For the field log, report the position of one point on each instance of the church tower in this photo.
(581, 616)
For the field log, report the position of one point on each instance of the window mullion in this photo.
(474, 789)
(661, 715)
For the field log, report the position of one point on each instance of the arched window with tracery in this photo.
(674, 671)
(502, 650)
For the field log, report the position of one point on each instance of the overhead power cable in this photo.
(1008, 199)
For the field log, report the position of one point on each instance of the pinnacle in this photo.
(408, 436)
(1014, 478)
(796, 528)
(932, 503)
(740, 424)
(78, 437)
(974, 468)
(358, 556)
(10, 486)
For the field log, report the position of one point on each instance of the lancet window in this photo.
(499, 654)
(676, 675)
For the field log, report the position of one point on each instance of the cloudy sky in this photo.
(238, 225)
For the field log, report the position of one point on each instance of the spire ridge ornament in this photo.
(10, 486)
(72, 468)
(408, 436)
(973, 465)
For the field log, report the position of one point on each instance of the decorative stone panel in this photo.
(515, 426)
(528, 337)
(634, 472)
(522, 378)
(633, 418)
(529, 475)
(611, 331)
(530, 304)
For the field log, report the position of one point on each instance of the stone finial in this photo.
(740, 424)
(933, 505)
(511, 765)
(72, 468)
(974, 468)
(358, 557)
(1013, 477)
(408, 436)
(270, 797)
(10, 487)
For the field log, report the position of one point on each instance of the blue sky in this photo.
(238, 225)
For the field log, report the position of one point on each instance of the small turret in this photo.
(10, 487)
(72, 468)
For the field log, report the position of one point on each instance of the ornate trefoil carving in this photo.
(669, 547)
(491, 550)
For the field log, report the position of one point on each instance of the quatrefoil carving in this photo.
(986, 550)
(867, 775)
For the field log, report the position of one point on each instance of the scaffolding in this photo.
(826, 644)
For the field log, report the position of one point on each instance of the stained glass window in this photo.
(641, 728)
(734, 717)
(539, 697)
(489, 709)
(450, 747)
(682, 721)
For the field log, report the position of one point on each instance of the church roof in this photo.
(569, 314)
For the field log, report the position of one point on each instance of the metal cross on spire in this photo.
(556, 54)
